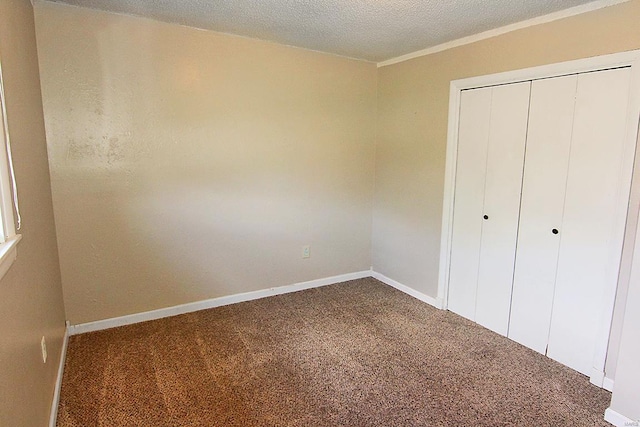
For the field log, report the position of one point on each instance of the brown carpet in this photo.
(354, 354)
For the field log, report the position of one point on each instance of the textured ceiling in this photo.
(373, 30)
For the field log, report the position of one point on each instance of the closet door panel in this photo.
(473, 137)
(593, 223)
(543, 194)
(503, 186)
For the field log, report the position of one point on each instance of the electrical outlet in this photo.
(43, 347)
(306, 251)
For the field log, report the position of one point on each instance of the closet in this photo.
(537, 220)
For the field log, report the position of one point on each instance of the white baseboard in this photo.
(607, 384)
(599, 379)
(211, 303)
(618, 419)
(436, 302)
(53, 414)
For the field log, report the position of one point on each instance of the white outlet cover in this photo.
(306, 251)
(43, 346)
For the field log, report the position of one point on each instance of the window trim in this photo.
(8, 237)
(8, 253)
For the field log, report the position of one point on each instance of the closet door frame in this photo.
(624, 59)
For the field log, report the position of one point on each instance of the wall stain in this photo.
(107, 151)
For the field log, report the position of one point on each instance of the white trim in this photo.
(53, 415)
(632, 59)
(8, 253)
(607, 384)
(446, 229)
(618, 419)
(211, 303)
(435, 302)
(585, 65)
(597, 378)
(8, 186)
(566, 13)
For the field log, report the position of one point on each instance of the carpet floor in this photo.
(358, 353)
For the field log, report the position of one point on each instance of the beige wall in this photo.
(189, 165)
(413, 99)
(30, 293)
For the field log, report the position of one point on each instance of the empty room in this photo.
(319, 213)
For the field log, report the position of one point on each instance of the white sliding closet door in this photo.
(544, 184)
(473, 142)
(492, 134)
(595, 211)
(503, 186)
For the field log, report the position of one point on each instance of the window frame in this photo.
(8, 237)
